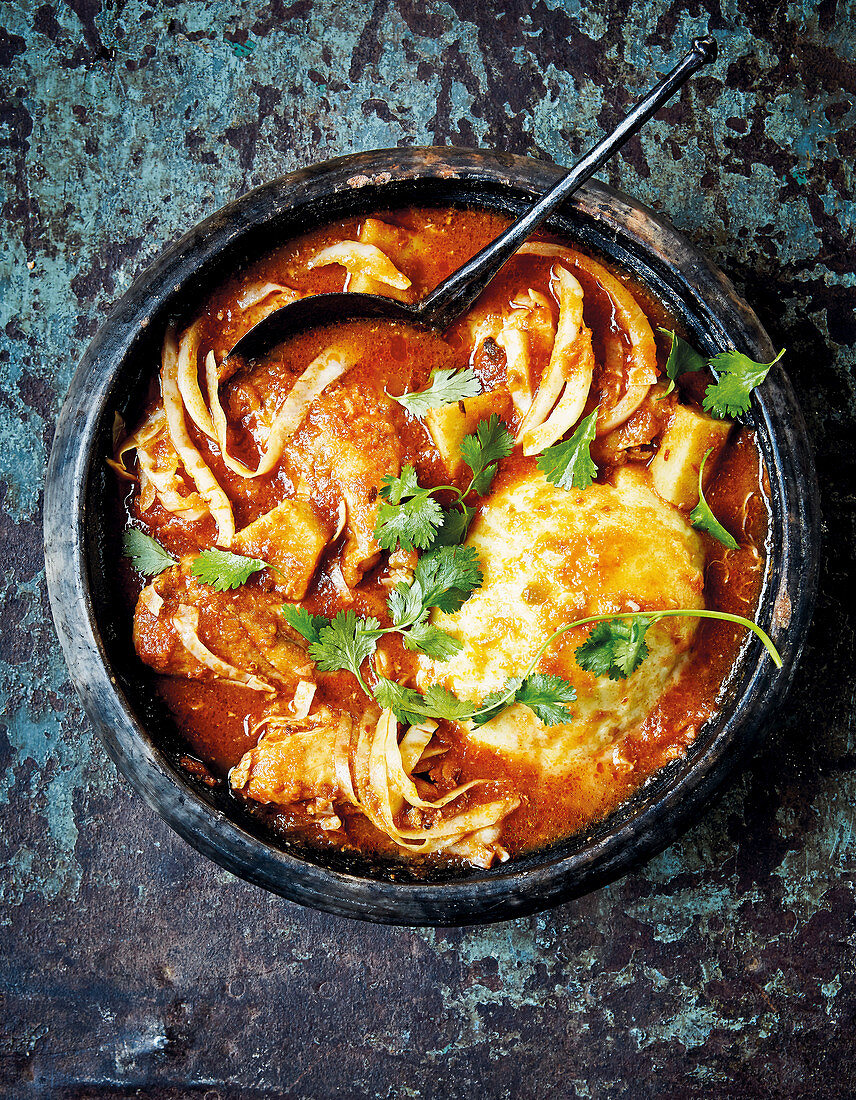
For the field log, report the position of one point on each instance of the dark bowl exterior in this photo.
(80, 544)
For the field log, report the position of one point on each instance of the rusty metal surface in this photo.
(133, 967)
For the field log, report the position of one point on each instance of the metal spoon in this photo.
(447, 302)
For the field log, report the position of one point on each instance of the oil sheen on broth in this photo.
(283, 461)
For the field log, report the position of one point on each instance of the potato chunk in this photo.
(448, 426)
(290, 537)
(675, 466)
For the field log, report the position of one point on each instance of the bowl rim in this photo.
(378, 180)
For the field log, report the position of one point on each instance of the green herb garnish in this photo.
(409, 515)
(224, 570)
(683, 359)
(147, 556)
(446, 387)
(544, 694)
(483, 450)
(345, 643)
(738, 376)
(614, 649)
(307, 625)
(702, 518)
(569, 464)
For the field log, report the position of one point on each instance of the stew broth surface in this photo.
(357, 415)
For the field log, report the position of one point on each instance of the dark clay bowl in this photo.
(82, 548)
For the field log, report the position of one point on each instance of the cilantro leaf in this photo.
(224, 570)
(738, 377)
(431, 640)
(615, 648)
(307, 625)
(405, 703)
(147, 556)
(629, 650)
(683, 359)
(546, 695)
(411, 523)
(447, 577)
(345, 643)
(569, 464)
(595, 654)
(442, 703)
(703, 519)
(496, 701)
(446, 388)
(456, 523)
(405, 603)
(395, 489)
(443, 578)
(409, 705)
(482, 450)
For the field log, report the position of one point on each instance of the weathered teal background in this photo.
(133, 967)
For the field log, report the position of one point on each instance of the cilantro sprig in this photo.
(703, 518)
(737, 374)
(615, 649)
(446, 387)
(544, 694)
(410, 516)
(444, 578)
(483, 450)
(345, 643)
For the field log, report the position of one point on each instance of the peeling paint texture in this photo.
(131, 966)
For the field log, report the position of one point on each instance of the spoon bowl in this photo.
(316, 310)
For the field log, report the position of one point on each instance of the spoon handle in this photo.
(456, 294)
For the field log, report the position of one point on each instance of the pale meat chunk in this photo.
(178, 620)
(291, 538)
(294, 761)
(348, 443)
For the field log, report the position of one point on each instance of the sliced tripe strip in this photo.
(397, 778)
(515, 344)
(187, 377)
(361, 259)
(186, 623)
(414, 743)
(257, 292)
(321, 372)
(642, 358)
(446, 833)
(531, 316)
(206, 483)
(342, 757)
(152, 426)
(567, 379)
(163, 486)
(613, 416)
(157, 482)
(378, 801)
(304, 693)
(151, 600)
(218, 418)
